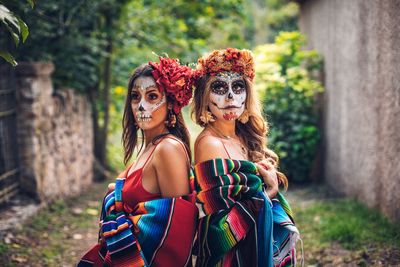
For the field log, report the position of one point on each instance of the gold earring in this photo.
(171, 120)
(244, 118)
(207, 117)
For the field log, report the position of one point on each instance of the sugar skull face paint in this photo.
(227, 96)
(146, 100)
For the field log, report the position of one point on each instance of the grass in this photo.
(344, 230)
(349, 223)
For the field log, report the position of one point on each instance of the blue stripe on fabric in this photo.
(109, 201)
(153, 224)
(119, 184)
(264, 233)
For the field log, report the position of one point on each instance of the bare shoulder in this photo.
(171, 167)
(208, 147)
(170, 148)
(208, 140)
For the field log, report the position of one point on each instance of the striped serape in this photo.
(158, 232)
(241, 226)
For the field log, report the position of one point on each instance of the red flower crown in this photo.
(175, 79)
(230, 59)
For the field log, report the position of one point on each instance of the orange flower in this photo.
(230, 59)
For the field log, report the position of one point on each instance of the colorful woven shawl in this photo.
(241, 226)
(154, 233)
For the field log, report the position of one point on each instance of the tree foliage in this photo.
(286, 80)
(266, 18)
(95, 45)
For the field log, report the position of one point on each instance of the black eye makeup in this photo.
(219, 87)
(222, 87)
(152, 96)
(135, 96)
(238, 87)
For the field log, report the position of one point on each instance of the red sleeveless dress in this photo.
(133, 191)
(163, 228)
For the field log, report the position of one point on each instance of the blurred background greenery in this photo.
(95, 46)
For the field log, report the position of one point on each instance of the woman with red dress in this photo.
(149, 218)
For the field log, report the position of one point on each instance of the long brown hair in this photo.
(253, 132)
(130, 128)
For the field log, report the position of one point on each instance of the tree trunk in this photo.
(106, 100)
(99, 171)
(101, 145)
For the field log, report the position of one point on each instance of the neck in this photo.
(225, 127)
(150, 134)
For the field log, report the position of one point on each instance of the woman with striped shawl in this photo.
(149, 217)
(245, 220)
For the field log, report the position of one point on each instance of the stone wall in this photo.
(55, 135)
(359, 40)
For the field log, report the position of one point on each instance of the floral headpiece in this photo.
(175, 79)
(230, 60)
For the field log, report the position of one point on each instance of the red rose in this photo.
(174, 79)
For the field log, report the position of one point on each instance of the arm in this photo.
(172, 168)
(208, 147)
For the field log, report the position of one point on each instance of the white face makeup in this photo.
(227, 96)
(146, 98)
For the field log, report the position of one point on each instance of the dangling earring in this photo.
(171, 120)
(244, 118)
(207, 117)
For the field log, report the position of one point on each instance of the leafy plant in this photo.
(288, 86)
(17, 29)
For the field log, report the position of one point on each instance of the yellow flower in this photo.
(119, 90)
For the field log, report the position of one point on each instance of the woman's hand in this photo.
(270, 177)
(267, 163)
(111, 186)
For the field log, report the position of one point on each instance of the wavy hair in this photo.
(253, 132)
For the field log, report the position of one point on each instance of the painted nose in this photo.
(141, 108)
(230, 95)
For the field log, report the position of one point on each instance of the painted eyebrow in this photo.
(137, 88)
(154, 89)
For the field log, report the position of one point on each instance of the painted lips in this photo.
(230, 116)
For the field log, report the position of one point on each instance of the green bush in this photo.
(287, 84)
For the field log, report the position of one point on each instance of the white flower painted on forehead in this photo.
(228, 95)
(144, 109)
